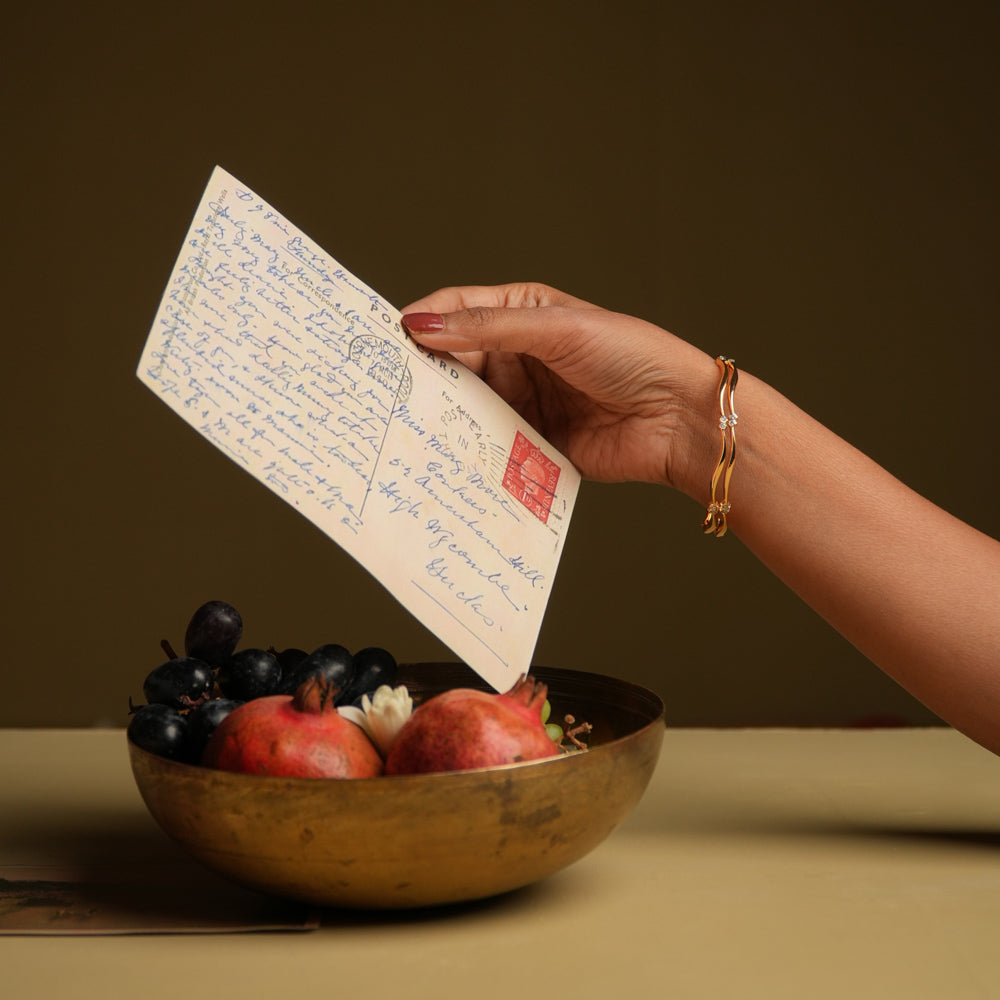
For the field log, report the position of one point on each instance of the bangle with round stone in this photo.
(715, 520)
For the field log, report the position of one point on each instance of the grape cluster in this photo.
(189, 695)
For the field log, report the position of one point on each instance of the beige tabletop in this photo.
(760, 863)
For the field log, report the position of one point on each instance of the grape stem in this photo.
(574, 730)
(168, 649)
(187, 702)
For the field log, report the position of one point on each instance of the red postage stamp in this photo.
(531, 476)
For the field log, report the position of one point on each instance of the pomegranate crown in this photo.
(529, 692)
(315, 695)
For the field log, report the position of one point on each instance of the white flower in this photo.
(381, 716)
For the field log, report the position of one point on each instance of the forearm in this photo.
(915, 589)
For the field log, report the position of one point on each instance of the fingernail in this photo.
(424, 322)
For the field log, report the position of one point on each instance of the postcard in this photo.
(300, 373)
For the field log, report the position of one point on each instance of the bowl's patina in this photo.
(419, 840)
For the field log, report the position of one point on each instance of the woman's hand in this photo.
(618, 396)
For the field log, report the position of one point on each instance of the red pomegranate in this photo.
(464, 728)
(293, 736)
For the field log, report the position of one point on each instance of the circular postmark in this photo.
(383, 362)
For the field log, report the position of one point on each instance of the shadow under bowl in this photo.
(419, 840)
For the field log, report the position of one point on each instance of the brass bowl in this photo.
(419, 840)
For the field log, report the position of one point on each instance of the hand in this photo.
(613, 393)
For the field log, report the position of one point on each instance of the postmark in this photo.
(383, 361)
(531, 477)
(469, 444)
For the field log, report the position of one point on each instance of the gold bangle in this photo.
(715, 520)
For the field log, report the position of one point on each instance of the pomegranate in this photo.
(464, 728)
(294, 736)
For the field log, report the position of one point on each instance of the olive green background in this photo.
(810, 188)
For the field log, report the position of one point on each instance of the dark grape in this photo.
(332, 662)
(159, 729)
(202, 722)
(373, 667)
(179, 683)
(289, 659)
(213, 632)
(249, 674)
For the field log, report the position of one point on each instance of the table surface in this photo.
(760, 863)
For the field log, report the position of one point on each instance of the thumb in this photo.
(543, 333)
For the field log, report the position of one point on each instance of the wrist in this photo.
(694, 441)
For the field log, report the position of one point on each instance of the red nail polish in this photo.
(424, 322)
